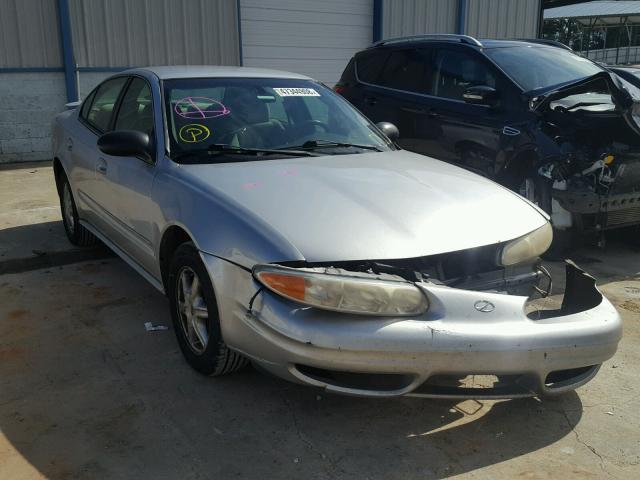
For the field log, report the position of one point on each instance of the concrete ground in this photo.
(87, 392)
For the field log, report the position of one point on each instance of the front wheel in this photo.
(195, 315)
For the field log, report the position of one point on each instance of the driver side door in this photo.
(127, 181)
(469, 134)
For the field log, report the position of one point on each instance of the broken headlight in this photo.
(527, 247)
(343, 293)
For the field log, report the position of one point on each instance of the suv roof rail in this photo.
(432, 36)
(546, 41)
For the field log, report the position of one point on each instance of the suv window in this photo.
(458, 70)
(369, 66)
(409, 70)
(104, 100)
(136, 110)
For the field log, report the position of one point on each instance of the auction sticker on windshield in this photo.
(296, 92)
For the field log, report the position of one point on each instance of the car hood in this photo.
(382, 205)
(624, 95)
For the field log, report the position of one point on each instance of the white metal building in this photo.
(55, 51)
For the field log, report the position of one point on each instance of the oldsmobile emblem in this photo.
(484, 306)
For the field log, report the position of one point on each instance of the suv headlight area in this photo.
(343, 293)
(527, 247)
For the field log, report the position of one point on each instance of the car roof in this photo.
(204, 71)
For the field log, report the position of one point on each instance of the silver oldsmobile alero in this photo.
(289, 231)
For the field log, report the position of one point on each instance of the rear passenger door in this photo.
(400, 93)
(95, 117)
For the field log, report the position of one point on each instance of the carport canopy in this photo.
(598, 13)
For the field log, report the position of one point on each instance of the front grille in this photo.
(623, 217)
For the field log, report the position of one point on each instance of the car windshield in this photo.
(534, 67)
(262, 117)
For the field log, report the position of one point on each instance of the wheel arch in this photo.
(58, 171)
(173, 236)
(520, 164)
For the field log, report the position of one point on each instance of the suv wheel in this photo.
(195, 315)
(76, 233)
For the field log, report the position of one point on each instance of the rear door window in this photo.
(408, 70)
(369, 66)
(102, 107)
(456, 70)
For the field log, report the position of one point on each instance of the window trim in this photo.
(153, 138)
(85, 121)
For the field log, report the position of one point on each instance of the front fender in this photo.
(217, 224)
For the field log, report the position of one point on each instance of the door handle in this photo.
(101, 167)
(370, 100)
(69, 144)
(419, 111)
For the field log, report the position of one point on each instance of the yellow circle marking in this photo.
(194, 133)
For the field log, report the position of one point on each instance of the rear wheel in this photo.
(76, 233)
(195, 315)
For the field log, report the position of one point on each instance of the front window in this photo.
(534, 67)
(262, 114)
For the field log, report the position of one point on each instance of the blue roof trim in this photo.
(30, 69)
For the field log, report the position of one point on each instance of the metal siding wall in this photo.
(503, 18)
(313, 37)
(115, 33)
(29, 34)
(413, 17)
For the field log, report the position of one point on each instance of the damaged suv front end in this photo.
(589, 149)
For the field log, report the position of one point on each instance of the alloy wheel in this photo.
(67, 208)
(192, 310)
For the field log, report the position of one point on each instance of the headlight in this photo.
(343, 293)
(527, 247)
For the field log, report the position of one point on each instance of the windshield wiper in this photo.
(315, 144)
(220, 149)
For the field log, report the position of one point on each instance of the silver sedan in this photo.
(289, 231)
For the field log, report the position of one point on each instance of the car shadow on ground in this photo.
(87, 392)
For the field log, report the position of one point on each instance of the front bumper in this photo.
(601, 212)
(372, 356)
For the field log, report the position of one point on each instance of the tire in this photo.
(195, 316)
(76, 233)
(538, 190)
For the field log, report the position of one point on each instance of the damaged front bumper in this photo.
(464, 333)
(601, 212)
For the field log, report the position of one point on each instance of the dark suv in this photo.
(552, 125)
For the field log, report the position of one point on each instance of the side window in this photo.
(84, 110)
(458, 70)
(369, 66)
(101, 109)
(136, 109)
(408, 70)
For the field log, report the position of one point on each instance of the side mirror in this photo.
(390, 130)
(481, 95)
(126, 143)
